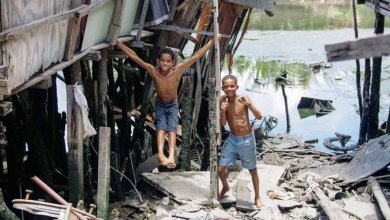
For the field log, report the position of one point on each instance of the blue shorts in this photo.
(244, 146)
(166, 116)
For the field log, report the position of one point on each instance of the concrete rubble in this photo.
(296, 182)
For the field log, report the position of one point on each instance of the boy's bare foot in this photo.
(163, 161)
(258, 203)
(171, 163)
(223, 192)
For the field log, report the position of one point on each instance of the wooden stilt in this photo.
(214, 94)
(75, 145)
(358, 87)
(366, 102)
(104, 172)
(373, 120)
(286, 108)
(185, 152)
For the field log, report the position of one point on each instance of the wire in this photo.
(128, 179)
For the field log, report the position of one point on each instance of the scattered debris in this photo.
(296, 182)
(311, 106)
(343, 139)
(319, 65)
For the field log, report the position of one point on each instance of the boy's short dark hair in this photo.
(229, 77)
(167, 50)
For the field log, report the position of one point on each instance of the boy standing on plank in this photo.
(166, 77)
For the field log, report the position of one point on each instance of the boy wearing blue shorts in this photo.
(241, 141)
(166, 77)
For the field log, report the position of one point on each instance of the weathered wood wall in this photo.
(36, 49)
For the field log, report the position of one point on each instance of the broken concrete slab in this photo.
(268, 213)
(362, 210)
(374, 156)
(183, 187)
(269, 176)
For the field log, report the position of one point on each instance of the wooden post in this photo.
(358, 86)
(116, 19)
(286, 107)
(73, 32)
(373, 120)
(75, 145)
(102, 89)
(137, 42)
(185, 153)
(103, 172)
(366, 101)
(214, 94)
(379, 196)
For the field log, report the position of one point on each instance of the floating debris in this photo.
(343, 139)
(311, 106)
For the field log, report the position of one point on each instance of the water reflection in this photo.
(257, 79)
(312, 15)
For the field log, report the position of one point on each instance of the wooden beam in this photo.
(363, 48)
(184, 30)
(117, 54)
(44, 84)
(93, 55)
(71, 37)
(137, 42)
(103, 190)
(6, 34)
(91, 8)
(115, 26)
(54, 69)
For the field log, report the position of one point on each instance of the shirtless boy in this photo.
(166, 77)
(234, 110)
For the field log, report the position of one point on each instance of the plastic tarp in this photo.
(88, 129)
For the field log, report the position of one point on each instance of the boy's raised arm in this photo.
(197, 55)
(132, 55)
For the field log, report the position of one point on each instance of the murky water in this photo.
(269, 49)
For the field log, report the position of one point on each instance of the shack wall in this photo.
(37, 49)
